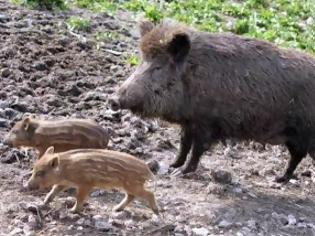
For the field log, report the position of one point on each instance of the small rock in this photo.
(307, 173)
(10, 113)
(282, 219)
(4, 104)
(201, 231)
(224, 224)
(153, 166)
(4, 18)
(97, 193)
(20, 106)
(4, 123)
(80, 221)
(102, 225)
(252, 224)
(5, 72)
(40, 66)
(16, 231)
(74, 91)
(221, 176)
(292, 220)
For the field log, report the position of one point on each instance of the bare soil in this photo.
(47, 70)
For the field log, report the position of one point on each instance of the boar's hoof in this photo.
(183, 170)
(176, 164)
(176, 172)
(282, 179)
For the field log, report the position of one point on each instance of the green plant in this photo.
(78, 23)
(47, 4)
(287, 23)
(105, 36)
(133, 60)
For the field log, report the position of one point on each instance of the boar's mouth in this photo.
(136, 107)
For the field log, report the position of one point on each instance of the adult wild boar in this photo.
(219, 86)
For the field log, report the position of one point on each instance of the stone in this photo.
(221, 176)
(200, 231)
(292, 220)
(153, 166)
(224, 224)
(4, 123)
(5, 72)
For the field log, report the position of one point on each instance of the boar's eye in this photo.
(40, 173)
(157, 68)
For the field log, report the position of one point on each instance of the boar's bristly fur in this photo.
(219, 86)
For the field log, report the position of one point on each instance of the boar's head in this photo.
(46, 171)
(156, 87)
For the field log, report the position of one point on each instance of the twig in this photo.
(116, 53)
(79, 36)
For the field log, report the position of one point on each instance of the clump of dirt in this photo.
(48, 70)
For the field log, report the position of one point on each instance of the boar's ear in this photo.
(53, 163)
(179, 47)
(50, 150)
(26, 123)
(145, 27)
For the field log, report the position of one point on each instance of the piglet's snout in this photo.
(30, 185)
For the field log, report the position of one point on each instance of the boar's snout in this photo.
(114, 103)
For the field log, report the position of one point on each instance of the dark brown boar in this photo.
(219, 86)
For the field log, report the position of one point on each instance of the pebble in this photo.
(101, 223)
(4, 123)
(221, 176)
(224, 224)
(4, 18)
(292, 220)
(200, 231)
(153, 166)
(5, 72)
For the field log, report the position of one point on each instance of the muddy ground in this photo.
(48, 70)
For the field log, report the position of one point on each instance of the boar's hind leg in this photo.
(297, 151)
(185, 146)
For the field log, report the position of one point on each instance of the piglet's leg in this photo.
(53, 192)
(128, 198)
(148, 196)
(82, 193)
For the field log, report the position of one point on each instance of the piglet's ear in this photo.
(26, 123)
(179, 47)
(50, 150)
(145, 27)
(54, 163)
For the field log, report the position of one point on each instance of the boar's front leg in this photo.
(298, 151)
(201, 140)
(185, 146)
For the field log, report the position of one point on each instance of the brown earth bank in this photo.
(48, 70)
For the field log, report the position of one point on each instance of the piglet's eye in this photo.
(157, 68)
(40, 173)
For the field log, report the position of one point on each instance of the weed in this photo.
(79, 24)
